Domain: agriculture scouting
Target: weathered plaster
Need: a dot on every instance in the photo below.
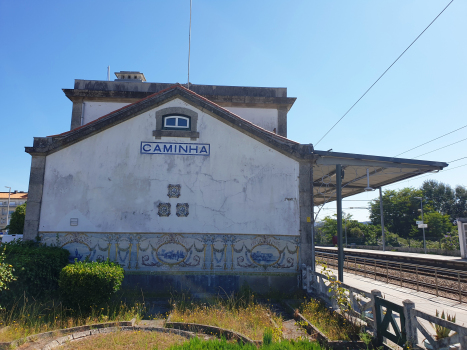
(76, 113)
(306, 217)
(282, 121)
(33, 209)
(243, 187)
(263, 117)
(93, 110)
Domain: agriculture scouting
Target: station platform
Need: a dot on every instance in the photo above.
(423, 259)
(425, 302)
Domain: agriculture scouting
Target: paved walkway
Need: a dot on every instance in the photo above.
(425, 302)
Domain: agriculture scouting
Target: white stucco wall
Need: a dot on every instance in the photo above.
(263, 117)
(243, 187)
(93, 110)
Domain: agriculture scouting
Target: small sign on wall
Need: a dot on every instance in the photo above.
(190, 149)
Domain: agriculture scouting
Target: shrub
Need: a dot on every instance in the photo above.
(6, 273)
(37, 268)
(84, 283)
(16, 224)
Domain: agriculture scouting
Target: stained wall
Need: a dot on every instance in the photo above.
(242, 187)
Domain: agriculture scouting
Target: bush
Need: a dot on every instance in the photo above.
(37, 268)
(16, 224)
(85, 284)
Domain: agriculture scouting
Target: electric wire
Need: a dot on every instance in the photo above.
(397, 155)
(452, 161)
(441, 148)
(383, 73)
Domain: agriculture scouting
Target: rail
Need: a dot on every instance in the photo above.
(448, 283)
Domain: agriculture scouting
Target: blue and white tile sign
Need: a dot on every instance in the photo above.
(193, 149)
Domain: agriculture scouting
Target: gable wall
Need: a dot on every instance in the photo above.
(93, 110)
(243, 187)
(263, 117)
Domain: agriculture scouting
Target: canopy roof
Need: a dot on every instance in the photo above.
(382, 171)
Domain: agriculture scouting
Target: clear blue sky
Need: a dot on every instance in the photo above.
(327, 53)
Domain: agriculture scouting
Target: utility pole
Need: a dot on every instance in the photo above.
(423, 228)
(8, 208)
(382, 217)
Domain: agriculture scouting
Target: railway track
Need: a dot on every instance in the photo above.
(444, 282)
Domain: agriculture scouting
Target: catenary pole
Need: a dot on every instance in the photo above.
(340, 247)
(382, 217)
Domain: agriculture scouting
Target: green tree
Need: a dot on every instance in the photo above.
(16, 224)
(400, 210)
(438, 225)
(446, 200)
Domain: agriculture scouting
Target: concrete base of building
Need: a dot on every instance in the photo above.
(208, 284)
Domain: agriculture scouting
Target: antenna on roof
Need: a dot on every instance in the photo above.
(189, 49)
(108, 73)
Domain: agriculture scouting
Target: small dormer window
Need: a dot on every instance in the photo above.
(176, 122)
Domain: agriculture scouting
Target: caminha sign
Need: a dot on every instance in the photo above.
(193, 149)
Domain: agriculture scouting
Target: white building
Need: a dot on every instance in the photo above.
(196, 188)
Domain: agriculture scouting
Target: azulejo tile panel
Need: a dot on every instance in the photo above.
(182, 210)
(184, 252)
(174, 191)
(163, 209)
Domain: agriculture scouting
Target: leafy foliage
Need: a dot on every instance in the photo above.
(438, 224)
(16, 224)
(446, 200)
(85, 283)
(400, 211)
(443, 332)
(6, 273)
(37, 268)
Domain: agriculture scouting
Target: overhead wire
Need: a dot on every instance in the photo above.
(455, 160)
(440, 148)
(397, 59)
(397, 155)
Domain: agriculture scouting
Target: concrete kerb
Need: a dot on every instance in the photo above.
(212, 330)
(68, 334)
(79, 335)
(323, 339)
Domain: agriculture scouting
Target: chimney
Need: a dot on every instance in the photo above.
(130, 76)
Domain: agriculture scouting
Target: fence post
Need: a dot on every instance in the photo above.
(463, 341)
(375, 293)
(304, 281)
(410, 323)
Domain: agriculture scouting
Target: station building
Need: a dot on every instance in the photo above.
(191, 187)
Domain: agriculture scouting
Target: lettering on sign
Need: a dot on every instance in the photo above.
(190, 149)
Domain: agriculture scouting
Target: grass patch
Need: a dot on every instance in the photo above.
(332, 324)
(198, 344)
(26, 318)
(128, 340)
(239, 313)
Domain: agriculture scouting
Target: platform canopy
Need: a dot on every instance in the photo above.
(382, 171)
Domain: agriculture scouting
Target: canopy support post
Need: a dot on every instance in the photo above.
(340, 246)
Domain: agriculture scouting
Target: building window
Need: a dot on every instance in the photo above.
(176, 122)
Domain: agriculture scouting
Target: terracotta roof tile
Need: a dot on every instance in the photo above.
(4, 195)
